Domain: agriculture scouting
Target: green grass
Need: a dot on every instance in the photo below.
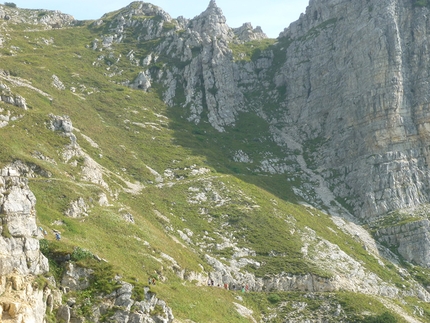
(354, 307)
(250, 50)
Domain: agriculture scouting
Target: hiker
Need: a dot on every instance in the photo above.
(153, 281)
(243, 289)
(149, 281)
(212, 282)
(57, 236)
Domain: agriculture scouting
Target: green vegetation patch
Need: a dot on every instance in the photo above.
(251, 50)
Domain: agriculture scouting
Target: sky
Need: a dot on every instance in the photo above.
(272, 15)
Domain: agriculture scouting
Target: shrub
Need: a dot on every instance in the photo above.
(10, 4)
(274, 298)
(81, 254)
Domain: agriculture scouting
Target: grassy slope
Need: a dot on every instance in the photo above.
(126, 150)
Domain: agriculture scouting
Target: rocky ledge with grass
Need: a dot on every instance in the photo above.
(124, 303)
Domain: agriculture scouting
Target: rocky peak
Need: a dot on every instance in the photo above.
(140, 8)
(247, 33)
(212, 22)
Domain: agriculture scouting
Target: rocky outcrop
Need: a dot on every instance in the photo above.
(247, 33)
(63, 124)
(56, 82)
(411, 240)
(91, 171)
(130, 17)
(20, 248)
(7, 97)
(21, 300)
(46, 18)
(120, 305)
(77, 208)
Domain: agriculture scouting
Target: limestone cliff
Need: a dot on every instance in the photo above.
(362, 97)
(20, 259)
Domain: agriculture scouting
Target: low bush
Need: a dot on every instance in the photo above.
(10, 4)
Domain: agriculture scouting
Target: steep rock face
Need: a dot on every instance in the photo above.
(411, 240)
(208, 81)
(361, 97)
(20, 250)
(20, 257)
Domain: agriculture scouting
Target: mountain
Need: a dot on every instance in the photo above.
(178, 170)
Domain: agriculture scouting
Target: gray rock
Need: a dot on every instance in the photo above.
(57, 83)
(20, 102)
(75, 277)
(61, 123)
(411, 240)
(17, 202)
(77, 209)
(142, 81)
(63, 314)
(247, 33)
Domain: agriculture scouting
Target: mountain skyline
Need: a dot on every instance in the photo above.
(273, 17)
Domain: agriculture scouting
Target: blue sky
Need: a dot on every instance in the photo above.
(272, 15)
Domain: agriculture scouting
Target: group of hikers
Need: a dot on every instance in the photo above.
(57, 233)
(243, 288)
